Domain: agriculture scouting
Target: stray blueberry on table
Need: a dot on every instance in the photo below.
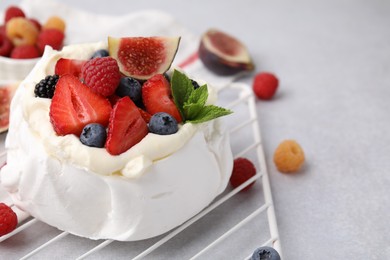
(163, 124)
(130, 87)
(45, 88)
(100, 53)
(265, 253)
(94, 135)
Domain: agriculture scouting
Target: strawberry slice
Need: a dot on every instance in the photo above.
(69, 66)
(126, 127)
(145, 115)
(74, 105)
(156, 95)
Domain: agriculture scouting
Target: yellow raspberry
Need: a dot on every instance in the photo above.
(55, 22)
(21, 31)
(289, 156)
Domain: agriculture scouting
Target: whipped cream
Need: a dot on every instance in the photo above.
(153, 187)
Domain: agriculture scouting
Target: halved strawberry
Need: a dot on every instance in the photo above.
(69, 66)
(126, 127)
(156, 95)
(74, 105)
(145, 115)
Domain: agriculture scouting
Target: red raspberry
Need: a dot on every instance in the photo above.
(265, 85)
(25, 52)
(5, 46)
(8, 219)
(36, 23)
(12, 12)
(101, 75)
(3, 30)
(243, 170)
(51, 37)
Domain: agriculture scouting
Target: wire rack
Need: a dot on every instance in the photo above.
(231, 227)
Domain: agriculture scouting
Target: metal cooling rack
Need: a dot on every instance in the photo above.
(232, 227)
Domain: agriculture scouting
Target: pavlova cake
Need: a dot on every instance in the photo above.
(104, 143)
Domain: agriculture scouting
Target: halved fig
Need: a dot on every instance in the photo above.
(223, 54)
(6, 93)
(143, 57)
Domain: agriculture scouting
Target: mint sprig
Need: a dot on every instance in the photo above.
(192, 102)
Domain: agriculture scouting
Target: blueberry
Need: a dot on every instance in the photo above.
(163, 124)
(94, 135)
(265, 253)
(129, 87)
(194, 84)
(100, 53)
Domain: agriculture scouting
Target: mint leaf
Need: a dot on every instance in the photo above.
(192, 102)
(192, 110)
(181, 88)
(195, 102)
(199, 95)
(210, 112)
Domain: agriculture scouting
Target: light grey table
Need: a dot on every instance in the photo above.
(333, 61)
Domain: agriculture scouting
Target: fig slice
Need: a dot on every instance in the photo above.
(6, 93)
(223, 54)
(143, 57)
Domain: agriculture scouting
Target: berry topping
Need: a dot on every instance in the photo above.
(289, 156)
(100, 54)
(51, 37)
(130, 87)
(94, 135)
(126, 127)
(8, 219)
(243, 170)
(195, 84)
(101, 75)
(74, 105)
(12, 12)
(145, 115)
(156, 95)
(163, 124)
(25, 52)
(69, 66)
(5, 45)
(265, 85)
(265, 253)
(45, 88)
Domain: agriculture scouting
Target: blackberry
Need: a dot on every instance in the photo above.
(45, 88)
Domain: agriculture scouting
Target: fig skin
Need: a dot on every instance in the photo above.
(222, 63)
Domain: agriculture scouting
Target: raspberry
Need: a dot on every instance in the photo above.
(25, 52)
(36, 23)
(22, 31)
(11, 12)
(102, 75)
(243, 170)
(55, 22)
(8, 219)
(51, 37)
(265, 85)
(289, 156)
(5, 46)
